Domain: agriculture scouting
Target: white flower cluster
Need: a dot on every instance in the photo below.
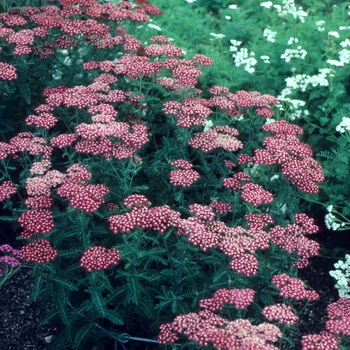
(342, 276)
(333, 222)
(270, 35)
(344, 125)
(243, 57)
(267, 4)
(299, 52)
(288, 8)
(301, 81)
(320, 25)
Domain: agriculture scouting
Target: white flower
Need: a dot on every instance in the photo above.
(266, 4)
(289, 7)
(344, 125)
(151, 25)
(218, 36)
(299, 52)
(335, 63)
(265, 58)
(329, 208)
(270, 35)
(190, 1)
(292, 40)
(228, 17)
(344, 56)
(320, 25)
(208, 124)
(242, 57)
(335, 34)
(232, 7)
(345, 43)
(342, 277)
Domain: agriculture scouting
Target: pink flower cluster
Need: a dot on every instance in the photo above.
(99, 258)
(184, 175)
(10, 258)
(190, 113)
(209, 329)
(7, 71)
(96, 139)
(221, 207)
(322, 341)
(240, 298)
(217, 137)
(236, 104)
(292, 238)
(204, 231)
(46, 18)
(339, 317)
(25, 142)
(255, 194)
(281, 313)
(251, 193)
(81, 195)
(7, 189)
(39, 251)
(285, 148)
(157, 218)
(293, 288)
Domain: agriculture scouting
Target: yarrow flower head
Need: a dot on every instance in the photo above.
(293, 288)
(39, 251)
(99, 258)
(7, 189)
(281, 313)
(339, 317)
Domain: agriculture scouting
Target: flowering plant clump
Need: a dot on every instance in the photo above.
(298, 51)
(138, 192)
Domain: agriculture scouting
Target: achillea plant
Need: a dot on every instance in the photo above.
(140, 197)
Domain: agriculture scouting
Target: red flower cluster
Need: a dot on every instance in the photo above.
(281, 313)
(99, 258)
(36, 221)
(162, 49)
(79, 193)
(217, 137)
(7, 189)
(293, 288)
(240, 298)
(339, 317)
(39, 251)
(292, 238)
